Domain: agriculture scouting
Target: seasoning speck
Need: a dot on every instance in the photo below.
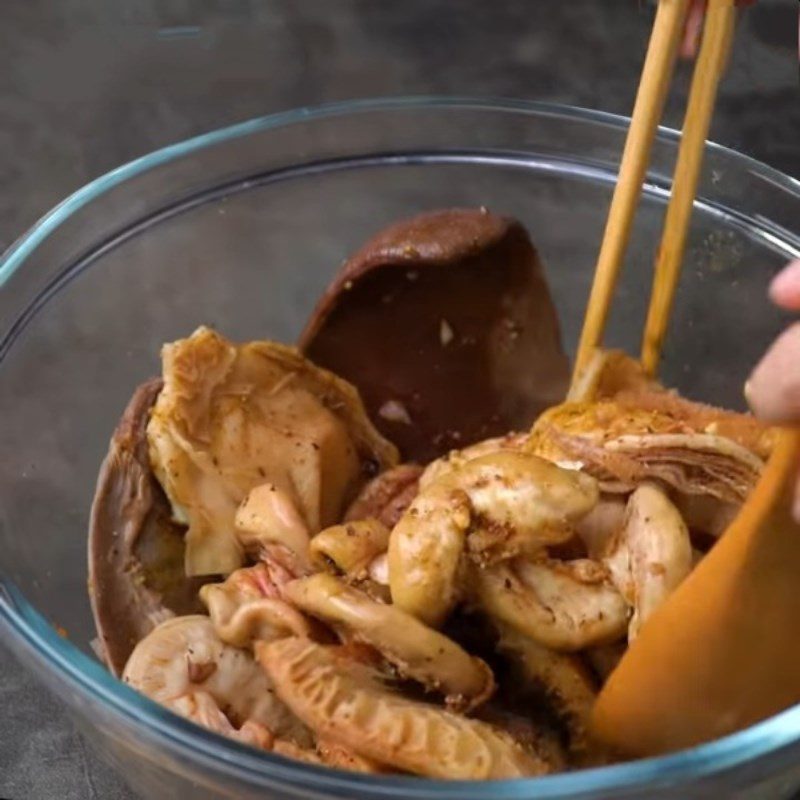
(198, 672)
(394, 411)
(445, 333)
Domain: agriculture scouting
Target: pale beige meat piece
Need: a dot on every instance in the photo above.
(567, 684)
(269, 522)
(600, 525)
(627, 440)
(335, 754)
(520, 503)
(232, 417)
(425, 556)
(201, 708)
(248, 605)
(378, 570)
(614, 375)
(489, 508)
(415, 650)
(184, 655)
(387, 496)
(349, 702)
(652, 553)
(349, 548)
(328, 754)
(563, 605)
(457, 458)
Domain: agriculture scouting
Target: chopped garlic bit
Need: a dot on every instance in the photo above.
(574, 465)
(394, 411)
(445, 333)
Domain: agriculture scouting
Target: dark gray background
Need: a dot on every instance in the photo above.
(88, 84)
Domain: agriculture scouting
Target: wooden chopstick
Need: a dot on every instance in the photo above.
(647, 110)
(717, 36)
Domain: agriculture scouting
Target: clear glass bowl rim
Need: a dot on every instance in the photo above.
(32, 634)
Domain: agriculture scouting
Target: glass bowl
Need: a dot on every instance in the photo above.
(241, 229)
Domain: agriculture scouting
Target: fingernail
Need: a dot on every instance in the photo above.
(748, 391)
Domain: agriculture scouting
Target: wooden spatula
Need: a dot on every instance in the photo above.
(723, 652)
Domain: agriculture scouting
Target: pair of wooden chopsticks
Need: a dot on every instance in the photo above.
(653, 88)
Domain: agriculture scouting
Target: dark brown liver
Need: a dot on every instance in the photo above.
(136, 574)
(379, 325)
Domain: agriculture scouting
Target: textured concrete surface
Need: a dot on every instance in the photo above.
(86, 85)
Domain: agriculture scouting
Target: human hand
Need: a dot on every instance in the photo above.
(773, 390)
